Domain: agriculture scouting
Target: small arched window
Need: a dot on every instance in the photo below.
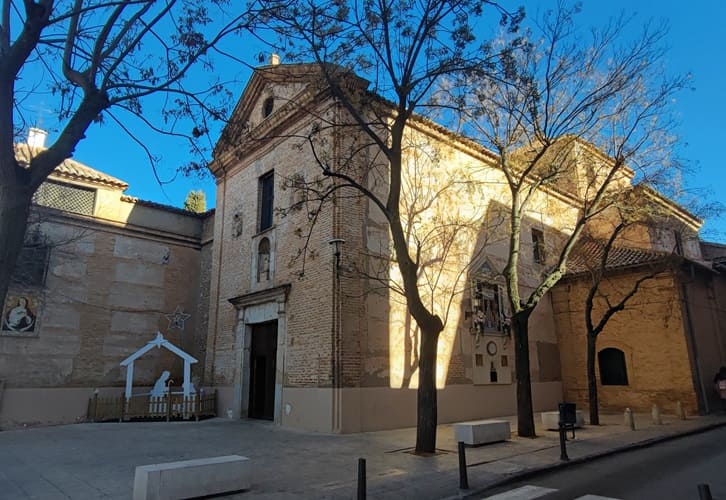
(612, 367)
(267, 107)
(263, 260)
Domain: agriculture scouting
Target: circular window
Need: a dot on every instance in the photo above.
(491, 348)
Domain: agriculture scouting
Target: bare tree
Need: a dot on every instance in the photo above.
(609, 292)
(631, 213)
(97, 59)
(576, 117)
(404, 49)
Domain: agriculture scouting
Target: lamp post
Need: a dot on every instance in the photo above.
(336, 371)
(337, 244)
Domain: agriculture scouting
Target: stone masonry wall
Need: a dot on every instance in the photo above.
(106, 293)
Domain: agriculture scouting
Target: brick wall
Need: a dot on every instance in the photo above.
(301, 260)
(650, 333)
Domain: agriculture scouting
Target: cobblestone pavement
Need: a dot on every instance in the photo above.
(97, 461)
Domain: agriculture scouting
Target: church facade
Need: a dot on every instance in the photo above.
(309, 328)
(287, 295)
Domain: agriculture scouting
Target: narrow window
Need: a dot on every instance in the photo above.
(267, 197)
(267, 107)
(538, 246)
(679, 242)
(612, 367)
(263, 260)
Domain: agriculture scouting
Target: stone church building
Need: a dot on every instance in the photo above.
(290, 300)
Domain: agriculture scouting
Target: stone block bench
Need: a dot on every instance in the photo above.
(551, 420)
(482, 431)
(192, 478)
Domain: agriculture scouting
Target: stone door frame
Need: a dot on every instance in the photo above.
(255, 308)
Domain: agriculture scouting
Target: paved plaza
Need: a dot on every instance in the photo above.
(97, 461)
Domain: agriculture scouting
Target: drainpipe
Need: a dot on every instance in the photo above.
(336, 369)
(702, 396)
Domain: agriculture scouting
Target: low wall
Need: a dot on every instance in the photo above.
(53, 406)
(49, 406)
(382, 408)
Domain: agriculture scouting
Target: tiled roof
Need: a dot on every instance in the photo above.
(71, 169)
(168, 208)
(587, 256)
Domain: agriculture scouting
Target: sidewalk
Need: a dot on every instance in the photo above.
(89, 461)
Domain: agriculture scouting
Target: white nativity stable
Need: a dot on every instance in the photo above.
(159, 342)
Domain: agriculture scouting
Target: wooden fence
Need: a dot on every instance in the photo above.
(145, 407)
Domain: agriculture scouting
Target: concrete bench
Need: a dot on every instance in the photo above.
(192, 478)
(551, 420)
(482, 431)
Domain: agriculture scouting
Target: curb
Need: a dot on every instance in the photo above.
(536, 471)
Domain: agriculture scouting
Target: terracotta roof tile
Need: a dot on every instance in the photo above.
(71, 169)
(587, 256)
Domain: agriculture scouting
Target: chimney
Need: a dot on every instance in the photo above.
(36, 137)
(274, 59)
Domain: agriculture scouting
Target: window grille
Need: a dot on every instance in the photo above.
(66, 197)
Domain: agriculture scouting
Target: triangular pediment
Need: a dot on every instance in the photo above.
(485, 269)
(282, 84)
(274, 97)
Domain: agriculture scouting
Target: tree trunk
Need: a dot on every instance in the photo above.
(427, 411)
(591, 380)
(14, 208)
(525, 416)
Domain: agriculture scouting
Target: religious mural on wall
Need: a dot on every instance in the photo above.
(488, 310)
(486, 307)
(20, 314)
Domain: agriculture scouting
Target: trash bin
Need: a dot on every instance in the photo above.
(568, 417)
(568, 414)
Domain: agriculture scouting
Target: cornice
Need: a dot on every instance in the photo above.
(277, 294)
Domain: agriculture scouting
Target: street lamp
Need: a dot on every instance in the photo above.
(337, 242)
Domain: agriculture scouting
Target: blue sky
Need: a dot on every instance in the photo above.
(697, 45)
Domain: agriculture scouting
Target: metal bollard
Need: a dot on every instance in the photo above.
(629, 420)
(463, 477)
(679, 411)
(655, 415)
(563, 446)
(704, 492)
(361, 479)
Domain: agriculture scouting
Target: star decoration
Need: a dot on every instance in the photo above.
(177, 318)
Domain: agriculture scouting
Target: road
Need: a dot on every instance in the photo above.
(670, 470)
